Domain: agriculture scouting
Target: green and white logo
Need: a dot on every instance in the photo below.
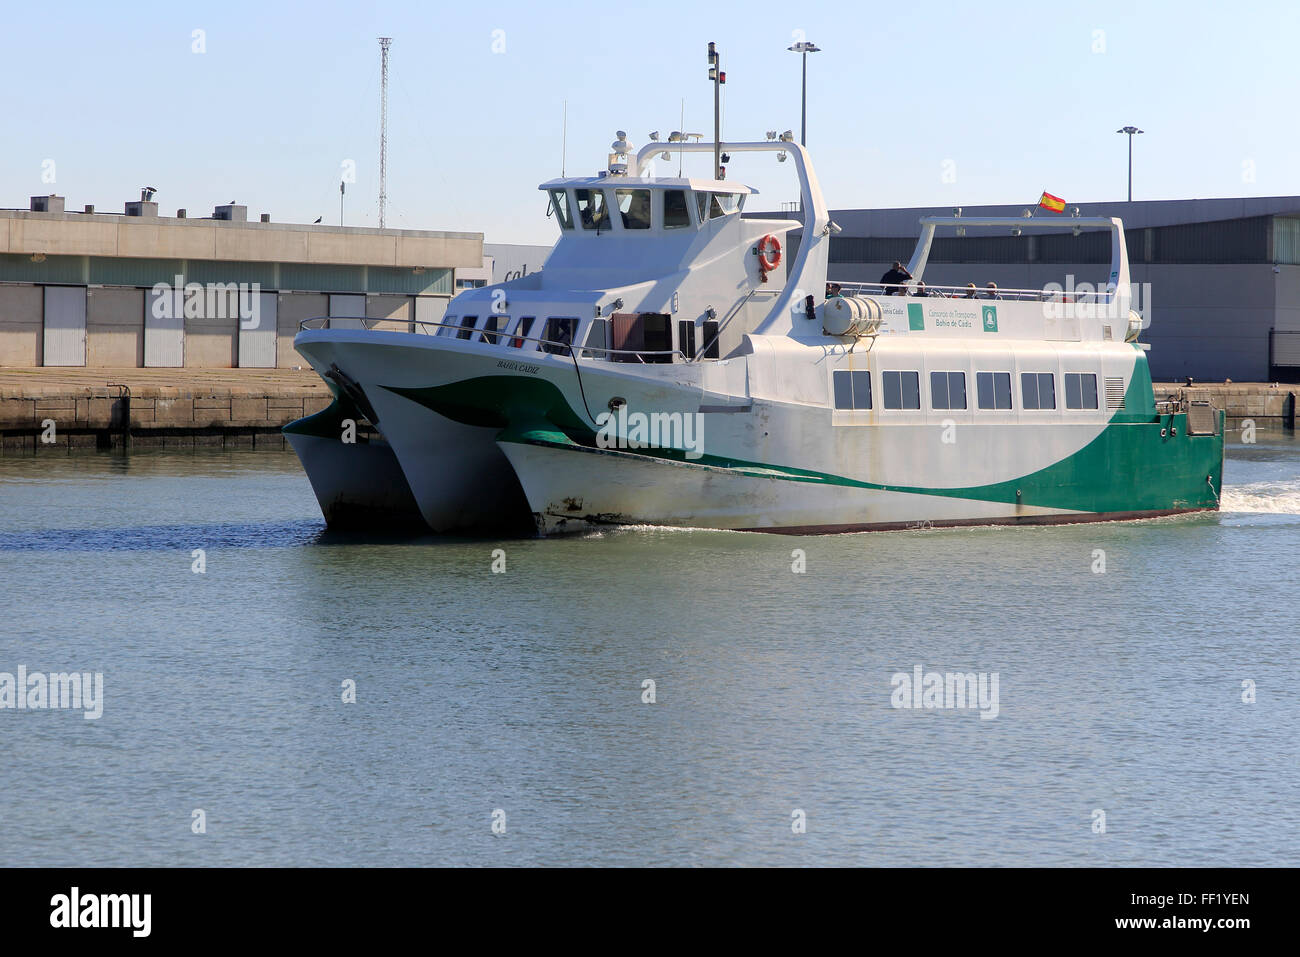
(990, 318)
(915, 317)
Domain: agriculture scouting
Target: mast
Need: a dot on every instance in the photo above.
(383, 126)
(717, 77)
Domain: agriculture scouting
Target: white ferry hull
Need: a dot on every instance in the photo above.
(358, 485)
(458, 478)
(572, 489)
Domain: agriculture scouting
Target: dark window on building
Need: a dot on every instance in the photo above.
(1080, 390)
(948, 390)
(902, 390)
(994, 389)
(1037, 390)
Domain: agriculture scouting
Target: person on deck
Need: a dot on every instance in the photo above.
(894, 279)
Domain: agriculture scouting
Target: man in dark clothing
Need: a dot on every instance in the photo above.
(894, 278)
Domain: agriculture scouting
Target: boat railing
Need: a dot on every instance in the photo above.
(965, 292)
(487, 336)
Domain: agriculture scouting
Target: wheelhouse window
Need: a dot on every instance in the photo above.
(466, 330)
(447, 328)
(591, 208)
(994, 389)
(852, 388)
(676, 213)
(1037, 390)
(560, 205)
(730, 202)
(902, 390)
(634, 205)
(559, 335)
(1080, 390)
(948, 390)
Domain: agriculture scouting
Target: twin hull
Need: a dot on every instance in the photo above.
(478, 429)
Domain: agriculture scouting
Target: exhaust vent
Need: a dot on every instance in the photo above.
(1114, 393)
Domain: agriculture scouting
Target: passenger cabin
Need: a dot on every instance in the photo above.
(646, 270)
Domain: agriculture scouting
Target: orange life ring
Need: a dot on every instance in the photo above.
(769, 254)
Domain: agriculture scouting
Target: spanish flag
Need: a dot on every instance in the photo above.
(1054, 203)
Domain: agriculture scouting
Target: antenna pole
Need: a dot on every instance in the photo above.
(717, 76)
(564, 138)
(383, 126)
(341, 184)
(681, 154)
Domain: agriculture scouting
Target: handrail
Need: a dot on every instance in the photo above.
(963, 292)
(323, 322)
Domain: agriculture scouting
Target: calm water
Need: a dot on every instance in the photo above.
(521, 691)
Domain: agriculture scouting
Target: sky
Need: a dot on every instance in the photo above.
(909, 104)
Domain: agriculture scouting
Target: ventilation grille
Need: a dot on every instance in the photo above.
(1105, 334)
(1114, 393)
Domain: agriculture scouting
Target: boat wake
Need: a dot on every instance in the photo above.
(1275, 498)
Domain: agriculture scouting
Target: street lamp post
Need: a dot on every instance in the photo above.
(1130, 130)
(804, 47)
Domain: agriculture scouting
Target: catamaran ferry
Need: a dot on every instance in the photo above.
(665, 367)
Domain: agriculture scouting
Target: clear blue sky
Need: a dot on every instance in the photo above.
(1019, 97)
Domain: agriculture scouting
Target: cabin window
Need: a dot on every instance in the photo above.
(634, 204)
(446, 329)
(591, 209)
(522, 329)
(466, 330)
(597, 341)
(560, 204)
(559, 335)
(729, 202)
(1080, 390)
(1037, 390)
(686, 337)
(852, 388)
(491, 325)
(709, 333)
(676, 213)
(948, 390)
(994, 389)
(902, 390)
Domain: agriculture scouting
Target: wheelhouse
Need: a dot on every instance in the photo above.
(640, 207)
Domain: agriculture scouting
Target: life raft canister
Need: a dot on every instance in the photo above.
(769, 255)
